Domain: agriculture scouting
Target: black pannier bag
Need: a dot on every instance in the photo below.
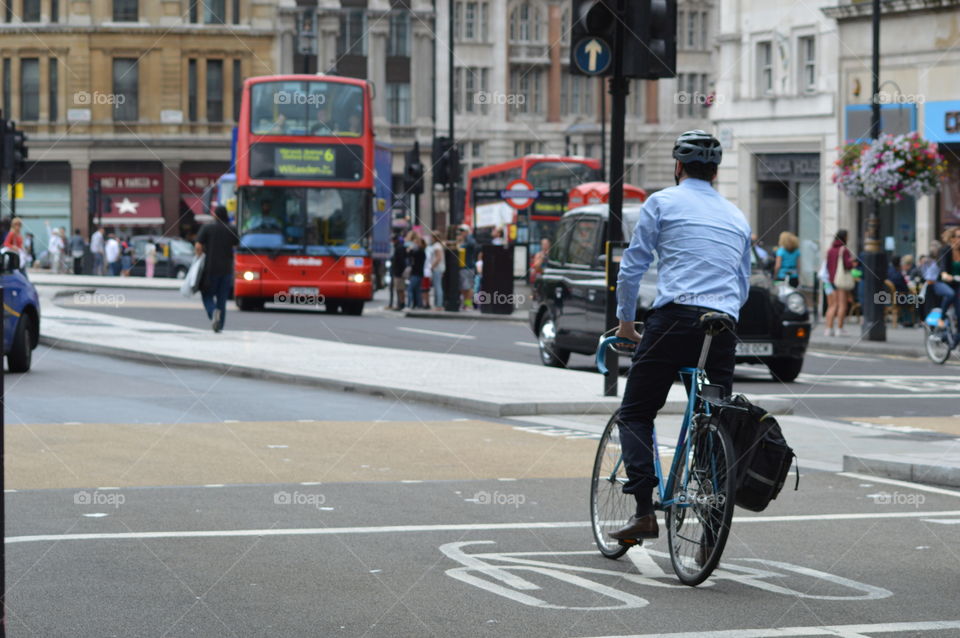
(763, 458)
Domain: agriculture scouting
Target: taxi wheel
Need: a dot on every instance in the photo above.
(21, 352)
(550, 354)
(785, 369)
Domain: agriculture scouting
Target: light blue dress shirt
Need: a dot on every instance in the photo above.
(702, 243)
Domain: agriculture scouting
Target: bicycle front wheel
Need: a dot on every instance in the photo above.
(610, 508)
(698, 520)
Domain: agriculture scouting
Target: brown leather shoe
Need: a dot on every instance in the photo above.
(638, 527)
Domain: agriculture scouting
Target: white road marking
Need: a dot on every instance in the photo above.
(882, 377)
(278, 447)
(943, 521)
(843, 631)
(827, 355)
(916, 486)
(215, 485)
(526, 344)
(436, 333)
(96, 515)
(898, 395)
(452, 527)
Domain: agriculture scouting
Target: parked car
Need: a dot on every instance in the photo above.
(569, 310)
(21, 314)
(174, 256)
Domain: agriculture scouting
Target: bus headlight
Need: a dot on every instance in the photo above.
(357, 278)
(795, 303)
(250, 275)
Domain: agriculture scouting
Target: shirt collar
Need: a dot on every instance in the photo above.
(692, 182)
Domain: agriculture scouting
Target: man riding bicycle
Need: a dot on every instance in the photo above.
(702, 243)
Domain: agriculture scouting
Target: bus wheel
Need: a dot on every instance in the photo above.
(332, 307)
(249, 303)
(353, 308)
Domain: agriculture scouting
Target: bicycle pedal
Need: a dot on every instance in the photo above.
(631, 542)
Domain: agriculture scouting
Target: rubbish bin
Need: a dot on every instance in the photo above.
(451, 278)
(496, 282)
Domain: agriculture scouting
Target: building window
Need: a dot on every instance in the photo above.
(398, 43)
(30, 89)
(31, 10)
(7, 10)
(6, 86)
(681, 16)
(764, 68)
(484, 21)
(398, 103)
(214, 90)
(633, 164)
(692, 30)
(470, 90)
(704, 30)
(635, 100)
(565, 26)
(237, 89)
(125, 89)
(525, 23)
(54, 10)
(353, 33)
(808, 60)
(214, 11)
(527, 82)
(192, 90)
(236, 12)
(470, 21)
(125, 10)
(576, 95)
(53, 74)
(527, 148)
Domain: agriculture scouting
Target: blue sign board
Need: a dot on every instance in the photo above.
(941, 121)
(592, 55)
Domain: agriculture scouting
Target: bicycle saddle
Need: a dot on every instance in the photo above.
(715, 322)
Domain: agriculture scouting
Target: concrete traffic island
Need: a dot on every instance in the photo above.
(473, 384)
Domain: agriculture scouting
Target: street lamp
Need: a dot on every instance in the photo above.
(875, 260)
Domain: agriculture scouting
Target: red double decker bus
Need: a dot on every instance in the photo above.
(553, 176)
(305, 180)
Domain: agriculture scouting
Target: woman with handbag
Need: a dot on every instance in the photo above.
(839, 265)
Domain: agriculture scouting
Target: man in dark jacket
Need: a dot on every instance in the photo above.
(216, 240)
(398, 264)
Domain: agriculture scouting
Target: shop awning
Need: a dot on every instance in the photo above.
(134, 210)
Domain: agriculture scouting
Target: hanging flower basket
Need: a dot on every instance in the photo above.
(846, 172)
(890, 168)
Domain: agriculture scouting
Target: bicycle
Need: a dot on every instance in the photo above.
(697, 496)
(940, 342)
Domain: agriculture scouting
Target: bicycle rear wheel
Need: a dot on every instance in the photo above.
(610, 508)
(698, 520)
(937, 342)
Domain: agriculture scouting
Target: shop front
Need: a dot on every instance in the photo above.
(788, 199)
(941, 124)
(130, 203)
(44, 203)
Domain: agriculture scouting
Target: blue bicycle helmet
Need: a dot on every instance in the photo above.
(697, 146)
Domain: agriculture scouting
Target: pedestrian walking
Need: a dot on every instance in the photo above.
(398, 269)
(150, 258)
(438, 267)
(56, 245)
(97, 247)
(539, 261)
(216, 241)
(78, 247)
(14, 240)
(111, 254)
(28, 250)
(468, 245)
(417, 257)
(126, 257)
(839, 265)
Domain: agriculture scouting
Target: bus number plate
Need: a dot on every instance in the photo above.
(304, 292)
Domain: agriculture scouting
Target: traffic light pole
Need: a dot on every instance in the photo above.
(619, 87)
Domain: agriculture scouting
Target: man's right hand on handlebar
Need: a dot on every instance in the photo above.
(628, 330)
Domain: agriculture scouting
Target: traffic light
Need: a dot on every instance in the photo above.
(413, 172)
(6, 137)
(650, 40)
(592, 20)
(19, 150)
(649, 37)
(444, 158)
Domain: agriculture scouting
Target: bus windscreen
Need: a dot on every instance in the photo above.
(303, 219)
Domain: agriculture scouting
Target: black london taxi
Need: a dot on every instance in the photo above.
(569, 309)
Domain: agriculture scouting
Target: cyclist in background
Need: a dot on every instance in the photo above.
(702, 243)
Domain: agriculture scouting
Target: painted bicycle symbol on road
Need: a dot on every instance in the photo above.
(500, 573)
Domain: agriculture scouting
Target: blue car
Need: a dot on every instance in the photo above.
(21, 314)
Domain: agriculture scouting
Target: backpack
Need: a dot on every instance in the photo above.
(763, 456)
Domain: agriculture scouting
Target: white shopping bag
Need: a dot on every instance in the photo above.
(191, 283)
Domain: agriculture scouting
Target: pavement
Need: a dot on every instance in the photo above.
(479, 385)
(40, 278)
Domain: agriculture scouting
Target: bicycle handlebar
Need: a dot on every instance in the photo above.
(602, 348)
